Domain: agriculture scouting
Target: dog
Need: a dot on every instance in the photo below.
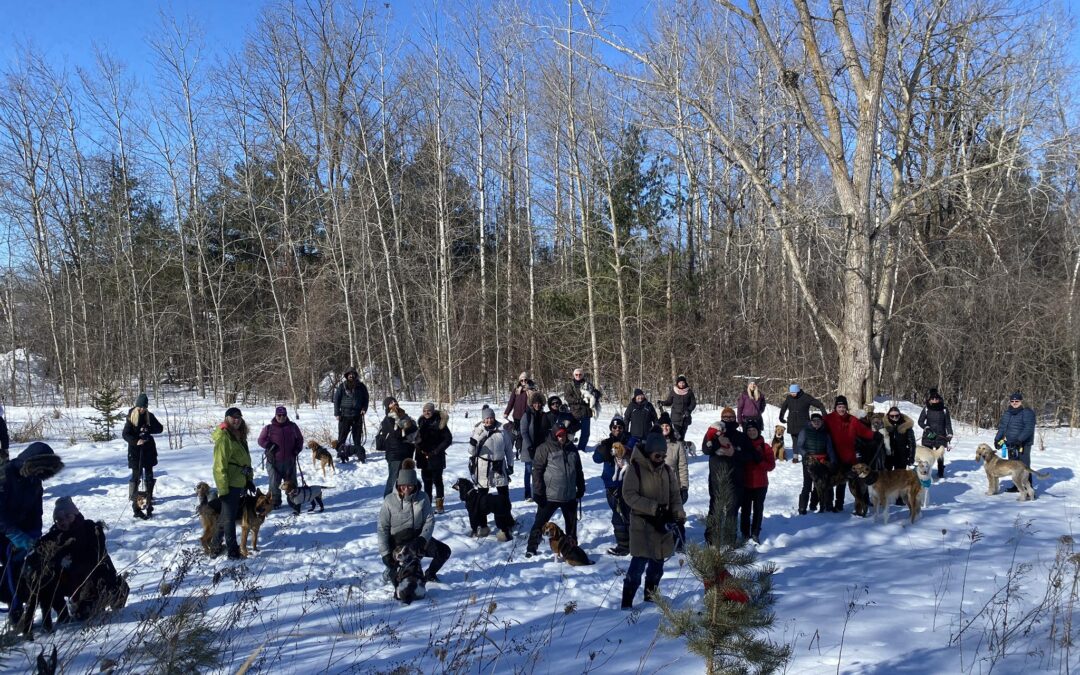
(480, 503)
(887, 485)
(409, 581)
(777, 443)
(930, 455)
(860, 492)
(298, 495)
(321, 457)
(997, 468)
(825, 480)
(564, 547)
(251, 516)
(346, 451)
(38, 587)
(922, 470)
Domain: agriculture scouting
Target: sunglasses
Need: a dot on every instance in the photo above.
(659, 455)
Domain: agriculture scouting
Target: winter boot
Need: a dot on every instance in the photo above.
(629, 590)
(652, 591)
(504, 535)
(438, 505)
(483, 531)
(802, 504)
(941, 468)
(150, 497)
(133, 489)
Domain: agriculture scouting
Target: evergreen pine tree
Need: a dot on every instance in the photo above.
(107, 402)
(728, 627)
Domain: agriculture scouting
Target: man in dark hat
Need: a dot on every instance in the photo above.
(350, 407)
(1016, 431)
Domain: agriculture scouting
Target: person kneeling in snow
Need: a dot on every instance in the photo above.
(73, 550)
(407, 519)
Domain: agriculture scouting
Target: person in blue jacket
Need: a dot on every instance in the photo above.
(615, 465)
(21, 497)
(1016, 431)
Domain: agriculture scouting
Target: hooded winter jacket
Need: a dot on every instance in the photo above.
(935, 417)
(351, 401)
(640, 418)
(844, 429)
(680, 403)
(556, 472)
(392, 436)
(21, 493)
(492, 456)
(433, 438)
(795, 411)
(646, 487)
(286, 436)
(231, 459)
(402, 519)
(1017, 427)
(901, 437)
(146, 454)
(535, 427)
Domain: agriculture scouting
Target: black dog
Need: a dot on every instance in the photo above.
(347, 451)
(825, 480)
(479, 503)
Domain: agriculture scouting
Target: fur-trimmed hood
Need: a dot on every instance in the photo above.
(37, 461)
(905, 425)
(444, 419)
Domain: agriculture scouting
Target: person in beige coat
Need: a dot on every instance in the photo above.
(679, 462)
(651, 490)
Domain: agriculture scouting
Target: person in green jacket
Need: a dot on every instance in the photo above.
(232, 473)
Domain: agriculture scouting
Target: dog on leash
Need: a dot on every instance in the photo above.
(860, 491)
(565, 547)
(251, 516)
(409, 581)
(321, 457)
(479, 504)
(998, 468)
(886, 486)
(298, 495)
(777, 443)
(346, 451)
(825, 480)
(922, 470)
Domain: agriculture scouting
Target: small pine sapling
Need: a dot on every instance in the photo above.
(107, 403)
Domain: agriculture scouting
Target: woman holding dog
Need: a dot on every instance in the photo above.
(433, 437)
(936, 424)
(651, 490)
(394, 431)
(232, 473)
(139, 430)
(614, 453)
(282, 442)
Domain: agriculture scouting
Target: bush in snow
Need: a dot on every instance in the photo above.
(107, 402)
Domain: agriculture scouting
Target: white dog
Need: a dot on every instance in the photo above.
(925, 454)
(922, 470)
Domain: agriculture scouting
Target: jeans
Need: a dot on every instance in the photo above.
(392, 468)
(751, 513)
(544, 514)
(528, 480)
(651, 567)
(583, 435)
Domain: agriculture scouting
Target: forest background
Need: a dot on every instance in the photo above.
(866, 199)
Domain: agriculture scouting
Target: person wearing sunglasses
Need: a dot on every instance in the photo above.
(936, 424)
(900, 430)
(616, 459)
(1016, 430)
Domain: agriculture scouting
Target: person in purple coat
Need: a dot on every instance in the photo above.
(751, 406)
(282, 441)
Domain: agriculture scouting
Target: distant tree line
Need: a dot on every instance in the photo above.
(864, 199)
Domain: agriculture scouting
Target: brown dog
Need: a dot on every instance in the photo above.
(778, 444)
(890, 484)
(998, 468)
(321, 457)
(565, 547)
(252, 515)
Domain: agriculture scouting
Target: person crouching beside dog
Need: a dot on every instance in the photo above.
(679, 462)
(1016, 430)
(558, 484)
(756, 482)
(392, 439)
(813, 440)
(282, 442)
(433, 437)
(405, 517)
(651, 490)
(232, 474)
(21, 507)
(535, 427)
(76, 553)
(491, 462)
(614, 453)
(139, 429)
(844, 428)
(936, 424)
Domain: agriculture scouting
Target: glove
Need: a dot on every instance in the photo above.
(250, 486)
(21, 541)
(248, 472)
(389, 561)
(580, 493)
(509, 471)
(684, 493)
(422, 542)
(541, 500)
(663, 512)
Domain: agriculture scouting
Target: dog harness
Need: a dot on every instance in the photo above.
(925, 482)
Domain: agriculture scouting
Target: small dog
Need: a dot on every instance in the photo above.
(298, 495)
(409, 581)
(348, 450)
(252, 515)
(480, 503)
(887, 485)
(922, 470)
(564, 547)
(997, 468)
(321, 457)
(778, 443)
(825, 481)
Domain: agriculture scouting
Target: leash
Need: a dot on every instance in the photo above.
(300, 472)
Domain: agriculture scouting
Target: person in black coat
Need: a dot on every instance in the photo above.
(640, 416)
(21, 496)
(795, 411)
(900, 430)
(139, 429)
(535, 427)
(1016, 430)
(5, 442)
(350, 407)
(728, 450)
(395, 439)
(936, 424)
(433, 437)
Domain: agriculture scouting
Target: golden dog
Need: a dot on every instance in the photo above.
(778, 443)
(997, 468)
(888, 485)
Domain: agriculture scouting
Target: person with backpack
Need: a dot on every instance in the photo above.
(936, 424)
(139, 429)
(281, 442)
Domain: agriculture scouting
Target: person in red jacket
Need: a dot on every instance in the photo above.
(756, 482)
(844, 429)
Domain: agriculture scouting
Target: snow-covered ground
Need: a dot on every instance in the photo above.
(852, 595)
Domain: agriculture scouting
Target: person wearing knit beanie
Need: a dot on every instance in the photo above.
(65, 507)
